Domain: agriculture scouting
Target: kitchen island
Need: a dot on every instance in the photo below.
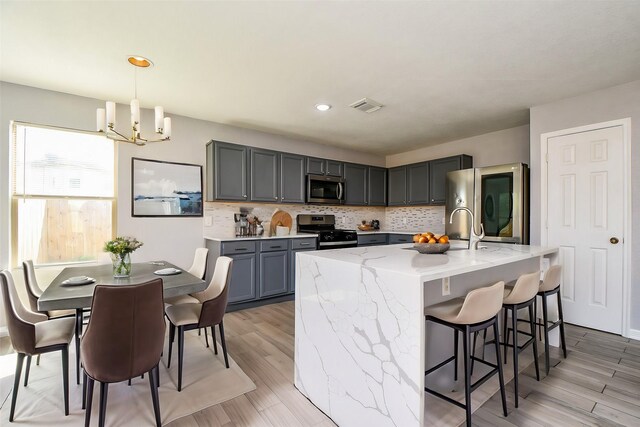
(361, 343)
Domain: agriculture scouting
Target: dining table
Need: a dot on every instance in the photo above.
(62, 295)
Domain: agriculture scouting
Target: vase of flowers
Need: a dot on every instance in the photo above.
(120, 249)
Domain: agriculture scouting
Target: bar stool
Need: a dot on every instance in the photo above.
(522, 295)
(476, 312)
(551, 285)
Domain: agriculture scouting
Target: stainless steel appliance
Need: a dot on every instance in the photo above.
(325, 227)
(498, 197)
(325, 189)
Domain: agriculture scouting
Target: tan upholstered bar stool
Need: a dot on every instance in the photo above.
(551, 285)
(478, 311)
(521, 296)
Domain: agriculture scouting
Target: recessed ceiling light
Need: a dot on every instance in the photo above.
(139, 61)
(323, 107)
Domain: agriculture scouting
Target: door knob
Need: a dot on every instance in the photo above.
(614, 240)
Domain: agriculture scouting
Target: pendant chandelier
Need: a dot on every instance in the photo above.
(106, 118)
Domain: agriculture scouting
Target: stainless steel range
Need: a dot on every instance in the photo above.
(325, 227)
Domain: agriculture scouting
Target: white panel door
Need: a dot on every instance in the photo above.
(585, 218)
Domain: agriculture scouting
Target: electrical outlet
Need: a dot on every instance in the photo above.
(344, 219)
(446, 286)
(443, 221)
(404, 220)
(208, 221)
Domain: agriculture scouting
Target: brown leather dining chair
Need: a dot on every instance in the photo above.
(33, 334)
(208, 312)
(124, 339)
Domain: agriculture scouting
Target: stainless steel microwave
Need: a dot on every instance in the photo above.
(327, 190)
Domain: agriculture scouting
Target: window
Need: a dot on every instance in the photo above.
(63, 198)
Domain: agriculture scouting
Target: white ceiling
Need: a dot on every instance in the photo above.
(444, 70)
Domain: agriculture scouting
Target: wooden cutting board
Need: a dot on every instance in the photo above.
(280, 218)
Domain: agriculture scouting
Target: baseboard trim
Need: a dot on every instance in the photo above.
(4, 331)
(634, 334)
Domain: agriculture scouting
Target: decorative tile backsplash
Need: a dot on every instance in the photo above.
(347, 217)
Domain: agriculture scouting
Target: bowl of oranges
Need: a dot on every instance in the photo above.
(429, 243)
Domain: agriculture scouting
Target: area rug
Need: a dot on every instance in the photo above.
(205, 382)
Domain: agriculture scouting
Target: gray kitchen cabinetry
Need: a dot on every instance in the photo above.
(355, 177)
(243, 272)
(418, 184)
(273, 272)
(395, 239)
(292, 178)
(317, 166)
(264, 167)
(438, 175)
(376, 186)
(397, 186)
(372, 239)
(298, 245)
(226, 171)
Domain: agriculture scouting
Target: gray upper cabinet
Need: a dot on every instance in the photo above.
(274, 273)
(264, 175)
(397, 186)
(292, 178)
(377, 186)
(438, 175)
(418, 184)
(227, 179)
(334, 168)
(355, 177)
(317, 166)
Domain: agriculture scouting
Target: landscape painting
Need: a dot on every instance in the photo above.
(165, 189)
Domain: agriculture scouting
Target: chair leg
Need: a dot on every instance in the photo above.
(455, 355)
(224, 345)
(158, 375)
(84, 389)
(154, 395)
(199, 331)
(180, 355)
(38, 360)
(16, 384)
(26, 370)
(172, 334)
(65, 378)
(505, 334)
(545, 327)
(104, 391)
(514, 325)
(89, 397)
(561, 319)
(467, 374)
(503, 394)
(206, 338)
(78, 334)
(213, 338)
(535, 341)
(473, 349)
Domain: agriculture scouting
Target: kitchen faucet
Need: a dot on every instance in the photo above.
(474, 239)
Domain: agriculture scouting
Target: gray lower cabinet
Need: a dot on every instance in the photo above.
(438, 170)
(395, 239)
(298, 245)
(226, 171)
(355, 181)
(397, 186)
(292, 178)
(418, 184)
(243, 278)
(264, 166)
(372, 239)
(376, 186)
(273, 273)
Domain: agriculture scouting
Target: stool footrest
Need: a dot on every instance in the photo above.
(439, 365)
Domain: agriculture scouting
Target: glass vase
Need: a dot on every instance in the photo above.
(121, 265)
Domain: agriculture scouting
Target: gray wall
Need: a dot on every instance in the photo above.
(495, 148)
(173, 239)
(613, 103)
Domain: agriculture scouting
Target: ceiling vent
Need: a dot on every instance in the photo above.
(366, 105)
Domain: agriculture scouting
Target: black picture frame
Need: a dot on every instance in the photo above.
(165, 189)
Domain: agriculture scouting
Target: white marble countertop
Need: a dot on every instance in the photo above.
(403, 259)
(382, 231)
(233, 238)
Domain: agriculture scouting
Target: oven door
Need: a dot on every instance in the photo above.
(502, 203)
(325, 189)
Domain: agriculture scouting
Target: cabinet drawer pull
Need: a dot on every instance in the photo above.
(275, 247)
(240, 249)
(305, 244)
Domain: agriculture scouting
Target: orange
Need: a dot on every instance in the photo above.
(416, 238)
(443, 239)
(422, 239)
(432, 240)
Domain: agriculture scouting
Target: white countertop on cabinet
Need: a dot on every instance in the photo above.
(232, 238)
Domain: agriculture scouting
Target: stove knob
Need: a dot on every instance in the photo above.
(329, 237)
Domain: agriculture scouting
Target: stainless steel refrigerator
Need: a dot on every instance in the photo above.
(499, 198)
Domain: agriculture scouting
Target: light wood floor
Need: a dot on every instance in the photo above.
(598, 384)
